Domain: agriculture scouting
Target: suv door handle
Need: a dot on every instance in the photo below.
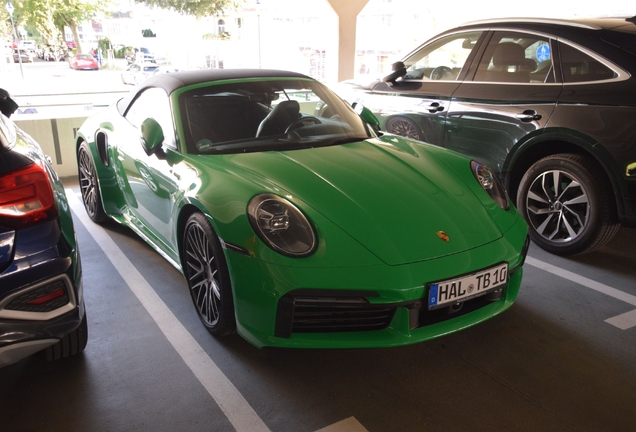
(435, 107)
(528, 116)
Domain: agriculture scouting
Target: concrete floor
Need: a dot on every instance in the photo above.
(550, 363)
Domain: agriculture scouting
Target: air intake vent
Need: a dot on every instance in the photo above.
(324, 312)
(339, 315)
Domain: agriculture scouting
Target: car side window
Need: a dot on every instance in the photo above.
(578, 66)
(513, 57)
(443, 59)
(153, 102)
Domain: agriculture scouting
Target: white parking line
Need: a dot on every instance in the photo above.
(346, 425)
(623, 321)
(232, 403)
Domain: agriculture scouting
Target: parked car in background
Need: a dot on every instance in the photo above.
(141, 55)
(166, 69)
(137, 72)
(83, 61)
(54, 53)
(549, 104)
(41, 295)
(22, 55)
(28, 45)
(292, 221)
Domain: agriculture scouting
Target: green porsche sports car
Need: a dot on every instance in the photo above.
(293, 221)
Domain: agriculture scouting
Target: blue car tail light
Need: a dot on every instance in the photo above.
(26, 197)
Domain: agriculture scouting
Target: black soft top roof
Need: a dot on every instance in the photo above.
(174, 81)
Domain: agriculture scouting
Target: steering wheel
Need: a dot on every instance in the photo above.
(300, 120)
(440, 72)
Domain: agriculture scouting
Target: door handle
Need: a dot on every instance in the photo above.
(435, 107)
(528, 116)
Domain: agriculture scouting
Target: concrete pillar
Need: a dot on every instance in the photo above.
(347, 11)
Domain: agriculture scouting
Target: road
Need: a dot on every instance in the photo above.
(56, 85)
(42, 77)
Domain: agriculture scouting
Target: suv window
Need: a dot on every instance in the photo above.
(516, 58)
(580, 67)
(442, 59)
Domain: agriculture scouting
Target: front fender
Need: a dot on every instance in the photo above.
(551, 141)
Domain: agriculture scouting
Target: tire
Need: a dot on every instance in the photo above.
(405, 127)
(71, 344)
(208, 277)
(89, 186)
(567, 201)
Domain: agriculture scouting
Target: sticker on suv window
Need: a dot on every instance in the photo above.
(543, 52)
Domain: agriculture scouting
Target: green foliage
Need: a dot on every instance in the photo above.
(121, 52)
(5, 25)
(148, 33)
(104, 44)
(49, 17)
(72, 12)
(197, 8)
(219, 36)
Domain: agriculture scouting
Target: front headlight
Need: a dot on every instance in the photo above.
(491, 184)
(281, 225)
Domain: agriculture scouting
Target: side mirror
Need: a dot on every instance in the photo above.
(152, 138)
(399, 70)
(366, 115)
(7, 105)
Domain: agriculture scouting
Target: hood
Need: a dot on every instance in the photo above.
(391, 199)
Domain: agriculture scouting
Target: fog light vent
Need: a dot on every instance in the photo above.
(45, 298)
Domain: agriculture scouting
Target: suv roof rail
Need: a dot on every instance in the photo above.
(561, 21)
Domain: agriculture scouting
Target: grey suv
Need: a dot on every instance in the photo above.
(549, 104)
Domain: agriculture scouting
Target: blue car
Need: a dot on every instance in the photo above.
(41, 297)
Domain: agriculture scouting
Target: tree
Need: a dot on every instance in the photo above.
(197, 8)
(71, 13)
(18, 18)
(47, 16)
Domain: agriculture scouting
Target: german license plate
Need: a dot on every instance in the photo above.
(467, 287)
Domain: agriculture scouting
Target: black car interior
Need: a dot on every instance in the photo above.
(508, 64)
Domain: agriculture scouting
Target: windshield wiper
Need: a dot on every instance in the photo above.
(347, 140)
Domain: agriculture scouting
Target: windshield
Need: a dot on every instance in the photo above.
(263, 115)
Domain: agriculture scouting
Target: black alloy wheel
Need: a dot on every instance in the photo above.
(567, 201)
(208, 277)
(89, 186)
(405, 127)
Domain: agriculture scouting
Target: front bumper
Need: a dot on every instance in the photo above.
(392, 298)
